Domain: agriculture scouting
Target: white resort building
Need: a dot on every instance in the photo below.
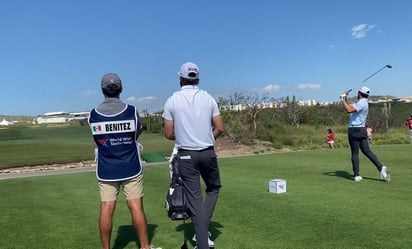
(60, 117)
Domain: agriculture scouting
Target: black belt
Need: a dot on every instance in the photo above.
(208, 148)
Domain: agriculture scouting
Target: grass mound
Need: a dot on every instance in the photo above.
(153, 157)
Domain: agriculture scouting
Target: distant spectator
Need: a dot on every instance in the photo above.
(369, 130)
(331, 138)
(409, 124)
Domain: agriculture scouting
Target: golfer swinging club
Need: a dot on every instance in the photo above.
(357, 134)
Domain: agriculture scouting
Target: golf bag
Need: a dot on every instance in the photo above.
(176, 201)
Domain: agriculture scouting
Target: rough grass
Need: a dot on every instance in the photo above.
(308, 137)
(21, 145)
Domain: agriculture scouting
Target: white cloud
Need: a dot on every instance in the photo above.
(88, 93)
(305, 87)
(359, 31)
(150, 103)
(271, 88)
(142, 100)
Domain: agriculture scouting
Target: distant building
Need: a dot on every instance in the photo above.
(307, 102)
(4, 122)
(61, 117)
(78, 115)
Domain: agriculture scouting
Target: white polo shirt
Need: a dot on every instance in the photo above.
(192, 111)
(358, 118)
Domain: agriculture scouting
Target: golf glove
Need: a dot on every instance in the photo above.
(343, 97)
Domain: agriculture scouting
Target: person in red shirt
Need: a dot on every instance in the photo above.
(409, 124)
(331, 138)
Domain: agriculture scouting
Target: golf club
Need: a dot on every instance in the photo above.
(386, 66)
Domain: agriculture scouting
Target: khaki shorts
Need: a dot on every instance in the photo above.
(132, 189)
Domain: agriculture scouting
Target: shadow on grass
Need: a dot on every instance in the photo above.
(373, 179)
(127, 234)
(340, 173)
(188, 230)
(347, 175)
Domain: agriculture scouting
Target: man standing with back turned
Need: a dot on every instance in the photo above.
(192, 119)
(358, 136)
(115, 127)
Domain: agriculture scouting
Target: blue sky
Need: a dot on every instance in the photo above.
(54, 53)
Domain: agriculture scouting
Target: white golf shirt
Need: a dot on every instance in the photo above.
(192, 111)
(358, 118)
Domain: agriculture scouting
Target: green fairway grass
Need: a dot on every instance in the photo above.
(322, 208)
(22, 145)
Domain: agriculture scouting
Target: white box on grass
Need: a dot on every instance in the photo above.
(277, 186)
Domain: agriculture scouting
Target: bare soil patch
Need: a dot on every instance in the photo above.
(46, 167)
(225, 148)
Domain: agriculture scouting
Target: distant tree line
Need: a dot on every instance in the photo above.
(253, 123)
(281, 125)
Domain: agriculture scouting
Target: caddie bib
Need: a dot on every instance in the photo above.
(118, 156)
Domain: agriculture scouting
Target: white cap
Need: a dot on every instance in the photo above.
(189, 70)
(364, 90)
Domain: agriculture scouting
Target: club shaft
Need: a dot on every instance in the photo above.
(375, 73)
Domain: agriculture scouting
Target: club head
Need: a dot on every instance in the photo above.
(388, 66)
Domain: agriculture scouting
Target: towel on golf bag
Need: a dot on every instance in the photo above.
(176, 201)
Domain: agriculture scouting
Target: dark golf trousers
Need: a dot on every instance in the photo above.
(193, 165)
(358, 139)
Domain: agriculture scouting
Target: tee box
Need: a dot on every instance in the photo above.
(277, 186)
